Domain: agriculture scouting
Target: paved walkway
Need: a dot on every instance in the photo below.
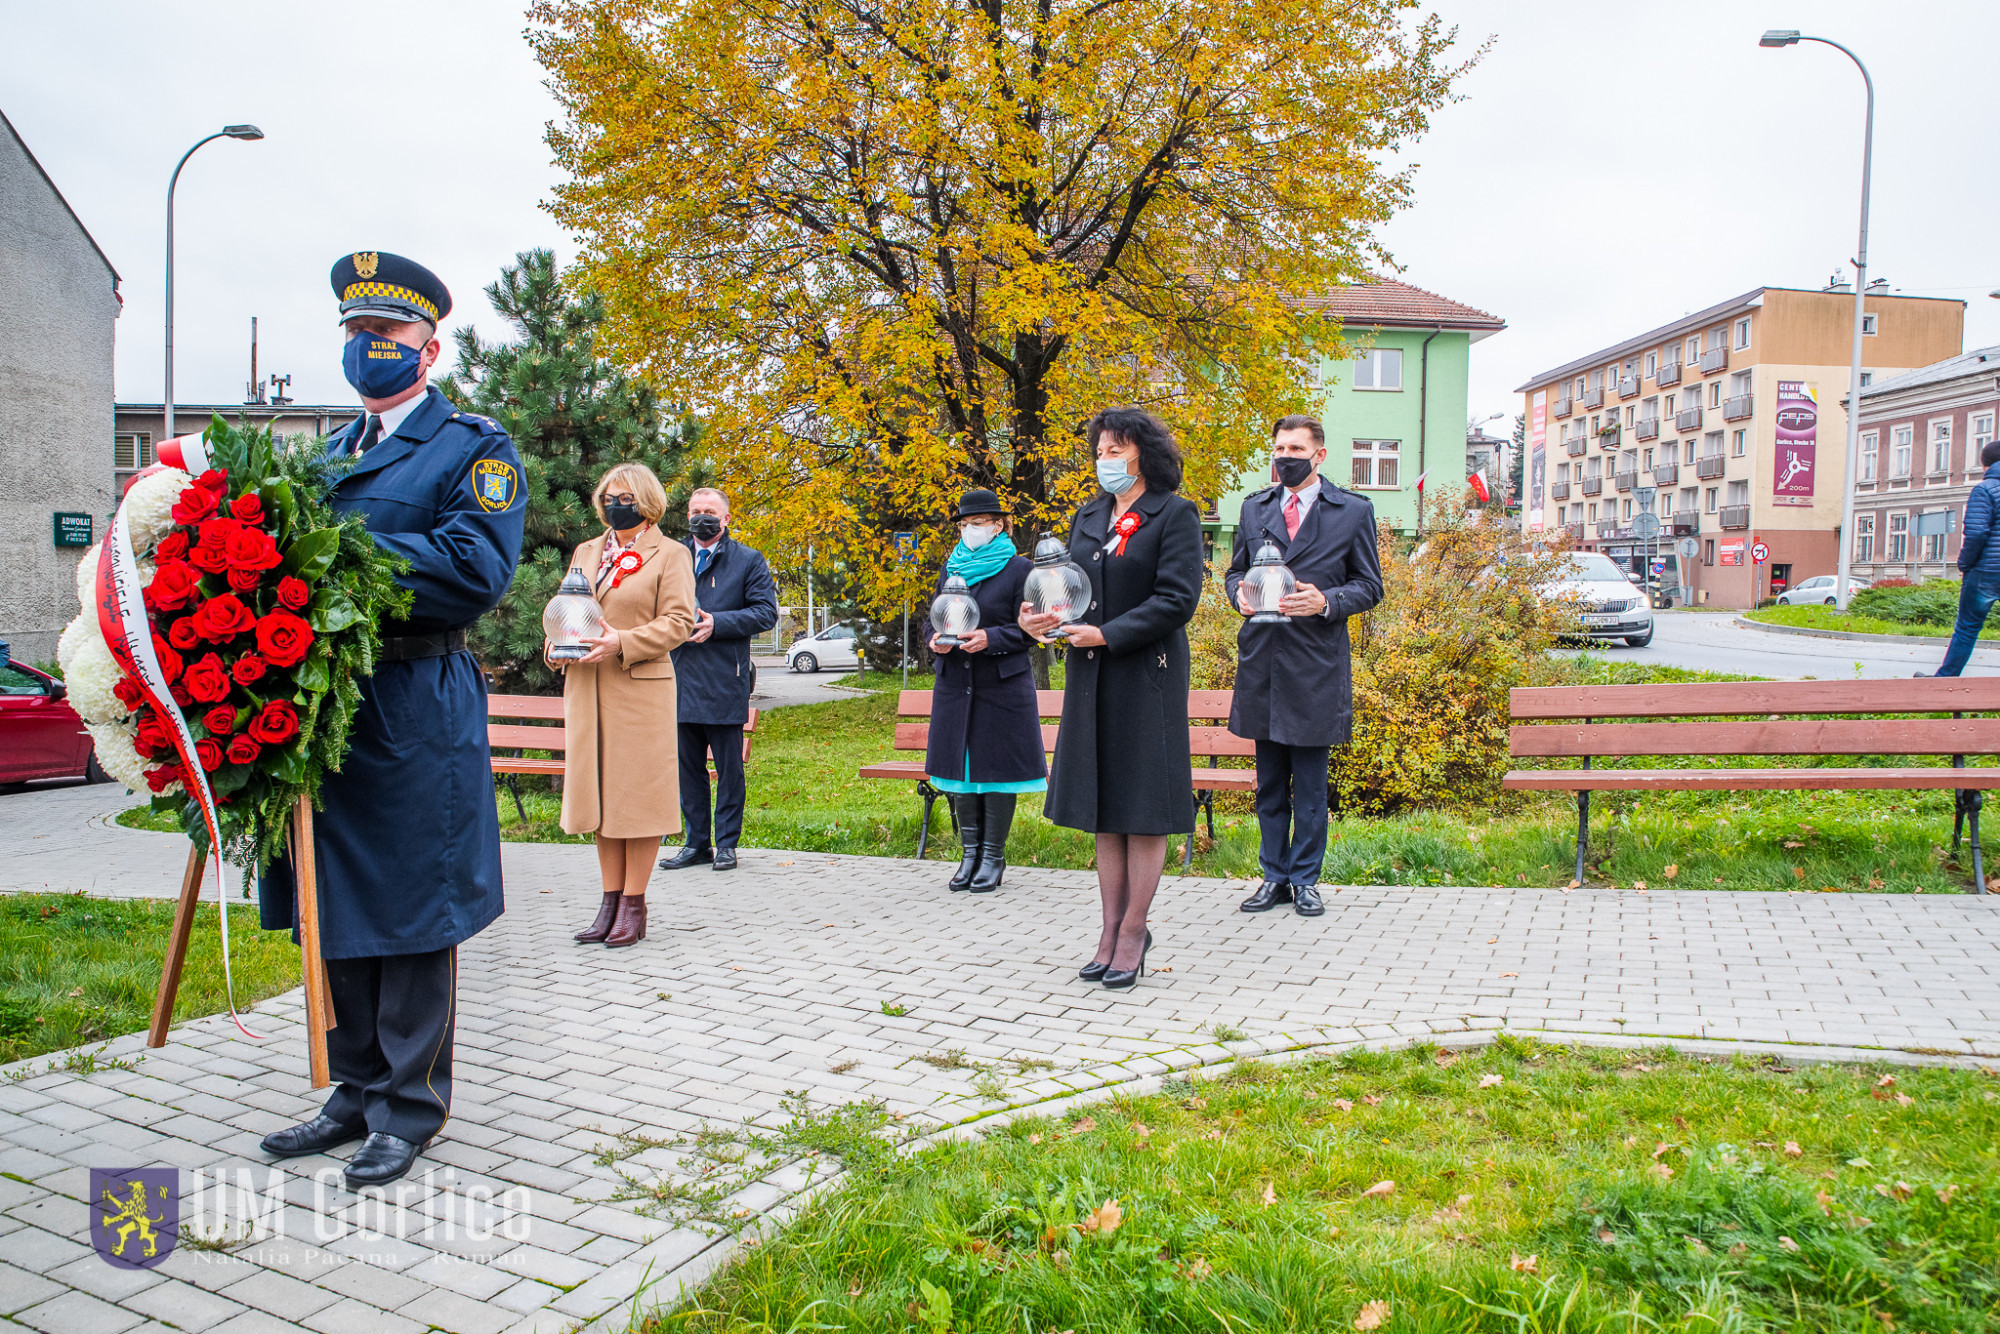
(775, 978)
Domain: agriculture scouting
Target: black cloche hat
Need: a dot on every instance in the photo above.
(978, 501)
(375, 282)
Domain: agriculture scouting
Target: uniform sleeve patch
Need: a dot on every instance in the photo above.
(495, 484)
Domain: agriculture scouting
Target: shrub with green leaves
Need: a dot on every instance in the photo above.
(1933, 602)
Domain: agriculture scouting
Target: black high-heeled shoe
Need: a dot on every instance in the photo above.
(1118, 979)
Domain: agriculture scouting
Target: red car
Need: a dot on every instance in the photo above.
(40, 734)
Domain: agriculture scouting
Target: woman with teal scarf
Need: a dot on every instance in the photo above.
(986, 729)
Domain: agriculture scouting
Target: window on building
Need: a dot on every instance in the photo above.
(1646, 459)
(1739, 384)
(1593, 511)
(1628, 414)
(1670, 404)
(1933, 546)
(1742, 333)
(1562, 472)
(1375, 462)
(1625, 510)
(132, 451)
(1941, 447)
(1867, 378)
(1899, 455)
(1653, 362)
(1739, 493)
(1708, 550)
(1581, 385)
(1649, 410)
(1670, 453)
(1594, 468)
(1379, 368)
(1711, 445)
(1868, 326)
(1716, 437)
(1864, 537)
(1982, 436)
(1715, 393)
(1708, 499)
(1899, 537)
(1693, 356)
(1871, 441)
(1689, 499)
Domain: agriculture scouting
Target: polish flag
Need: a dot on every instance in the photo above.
(1421, 477)
(1479, 488)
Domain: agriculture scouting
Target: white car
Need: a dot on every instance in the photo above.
(1820, 588)
(831, 647)
(1611, 606)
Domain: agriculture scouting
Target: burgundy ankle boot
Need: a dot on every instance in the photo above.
(600, 927)
(630, 928)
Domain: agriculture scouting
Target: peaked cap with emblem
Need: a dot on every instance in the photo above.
(375, 282)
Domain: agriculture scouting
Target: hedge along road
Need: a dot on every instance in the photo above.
(1714, 642)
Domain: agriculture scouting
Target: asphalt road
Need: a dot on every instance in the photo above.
(1714, 642)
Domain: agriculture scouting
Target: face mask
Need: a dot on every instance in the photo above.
(380, 367)
(1111, 475)
(622, 516)
(977, 536)
(1293, 471)
(705, 527)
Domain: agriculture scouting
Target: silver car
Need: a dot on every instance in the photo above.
(1609, 605)
(1818, 589)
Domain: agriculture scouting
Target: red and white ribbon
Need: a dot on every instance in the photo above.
(186, 452)
(121, 615)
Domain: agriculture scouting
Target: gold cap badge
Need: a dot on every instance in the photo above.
(365, 262)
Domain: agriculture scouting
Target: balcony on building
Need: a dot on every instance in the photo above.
(1576, 444)
(1609, 437)
(1574, 531)
(1666, 474)
(1558, 490)
(1737, 407)
(1669, 374)
(1734, 516)
(1715, 359)
(1625, 481)
(1593, 397)
(1628, 386)
(1591, 486)
(1688, 419)
(1681, 523)
(1709, 466)
(1646, 428)
(1608, 530)
(1563, 406)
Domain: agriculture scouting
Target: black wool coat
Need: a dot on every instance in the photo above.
(1122, 764)
(1294, 682)
(984, 702)
(714, 675)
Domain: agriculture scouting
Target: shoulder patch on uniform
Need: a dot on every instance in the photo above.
(495, 484)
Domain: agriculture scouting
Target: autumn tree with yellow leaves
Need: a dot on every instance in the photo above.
(892, 249)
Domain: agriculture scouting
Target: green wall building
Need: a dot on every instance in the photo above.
(1398, 408)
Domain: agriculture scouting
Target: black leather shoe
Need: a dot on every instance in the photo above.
(685, 858)
(1119, 979)
(725, 859)
(1093, 971)
(382, 1158)
(1306, 901)
(314, 1136)
(1271, 894)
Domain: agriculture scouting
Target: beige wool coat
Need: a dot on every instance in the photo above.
(621, 777)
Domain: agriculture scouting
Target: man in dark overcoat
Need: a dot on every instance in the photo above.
(1294, 686)
(408, 845)
(737, 599)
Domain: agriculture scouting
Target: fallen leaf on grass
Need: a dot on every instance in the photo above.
(1670, 870)
(1342, 1104)
(1195, 1104)
(1488, 1081)
(1662, 1171)
(1824, 1201)
(1793, 843)
(855, 1290)
(1574, 884)
(1270, 1195)
(1792, 1149)
(1213, 1134)
(1104, 1219)
(1084, 1125)
(1631, 1141)
(1639, 885)
(1525, 1264)
(1141, 1129)
(1786, 1243)
(1945, 1193)
(1886, 1082)
(1372, 1316)
(1799, 871)
(1034, 1139)
(1900, 1191)
(1381, 1190)
(1661, 1148)
(1372, 1099)
(1904, 1100)
(1445, 1059)
(1607, 1236)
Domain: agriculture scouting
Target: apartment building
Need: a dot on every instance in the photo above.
(136, 426)
(1732, 421)
(1918, 460)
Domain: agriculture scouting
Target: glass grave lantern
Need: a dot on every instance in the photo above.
(1267, 584)
(572, 619)
(1056, 585)
(954, 614)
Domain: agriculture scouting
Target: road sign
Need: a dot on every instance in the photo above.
(1760, 553)
(1643, 497)
(906, 548)
(1646, 527)
(1688, 548)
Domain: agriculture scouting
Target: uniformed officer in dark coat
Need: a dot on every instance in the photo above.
(1294, 685)
(737, 599)
(408, 845)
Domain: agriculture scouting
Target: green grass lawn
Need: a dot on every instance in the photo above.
(75, 970)
(1520, 1188)
(1817, 617)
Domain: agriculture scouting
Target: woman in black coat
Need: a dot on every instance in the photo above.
(1122, 769)
(986, 728)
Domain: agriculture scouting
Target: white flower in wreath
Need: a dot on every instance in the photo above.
(149, 507)
(90, 671)
(113, 742)
(86, 576)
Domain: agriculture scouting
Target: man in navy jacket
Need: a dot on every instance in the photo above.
(1978, 563)
(737, 599)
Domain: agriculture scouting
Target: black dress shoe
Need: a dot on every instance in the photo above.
(1271, 894)
(1306, 901)
(382, 1158)
(314, 1136)
(725, 859)
(685, 858)
(1120, 979)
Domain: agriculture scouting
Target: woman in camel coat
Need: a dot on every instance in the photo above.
(618, 701)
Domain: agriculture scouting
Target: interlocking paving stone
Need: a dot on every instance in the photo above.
(777, 972)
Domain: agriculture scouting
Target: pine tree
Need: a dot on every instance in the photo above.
(572, 415)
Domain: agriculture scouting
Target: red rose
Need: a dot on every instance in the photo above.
(170, 661)
(283, 638)
(174, 582)
(245, 581)
(153, 739)
(223, 618)
(217, 482)
(220, 720)
(171, 547)
(216, 532)
(244, 750)
(159, 779)
(197, 502)
(129, 692)
(248, 507)
(209, 560)
(248, 668)
(181, 696)
(251, 549)
(276, 723)
(209, 753)
(206, 680)
(181, 633)
(293, 593)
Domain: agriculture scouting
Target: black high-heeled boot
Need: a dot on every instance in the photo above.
(1118, 979)
(995, 822)
(966, 805)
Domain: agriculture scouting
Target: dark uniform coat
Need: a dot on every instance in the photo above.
(985, 702)
(714, 675)
(1294, 682)
(1122, 764)
(409, 842)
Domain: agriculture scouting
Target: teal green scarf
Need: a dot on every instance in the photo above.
(977, 566)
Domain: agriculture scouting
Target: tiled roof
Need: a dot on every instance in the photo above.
(1981, 360)
(1388, 302)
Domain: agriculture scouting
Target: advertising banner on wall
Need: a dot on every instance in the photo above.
(1538, 431)
(1797, 443)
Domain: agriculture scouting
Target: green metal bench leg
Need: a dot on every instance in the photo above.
(1973, 801)
(930, 796)
(514, 790)
(1582, 831)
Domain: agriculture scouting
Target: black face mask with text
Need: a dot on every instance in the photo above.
(1292, 471)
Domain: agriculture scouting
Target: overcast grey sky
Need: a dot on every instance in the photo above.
(1611, 168)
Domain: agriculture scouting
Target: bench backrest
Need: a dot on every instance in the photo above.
(1568, 729)
(515, 736)
(1204, 706)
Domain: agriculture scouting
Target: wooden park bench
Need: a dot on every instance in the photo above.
(521, 737)
(1750, 718)
(1208, 734)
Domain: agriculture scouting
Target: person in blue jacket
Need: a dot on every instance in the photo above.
(408, 844)
(1978, 563)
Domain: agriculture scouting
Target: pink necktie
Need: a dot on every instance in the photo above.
(1292, 516)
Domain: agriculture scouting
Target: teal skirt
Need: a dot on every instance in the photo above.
(966, 787)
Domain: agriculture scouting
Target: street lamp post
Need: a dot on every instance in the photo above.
(167, 388)
(1788, 37)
